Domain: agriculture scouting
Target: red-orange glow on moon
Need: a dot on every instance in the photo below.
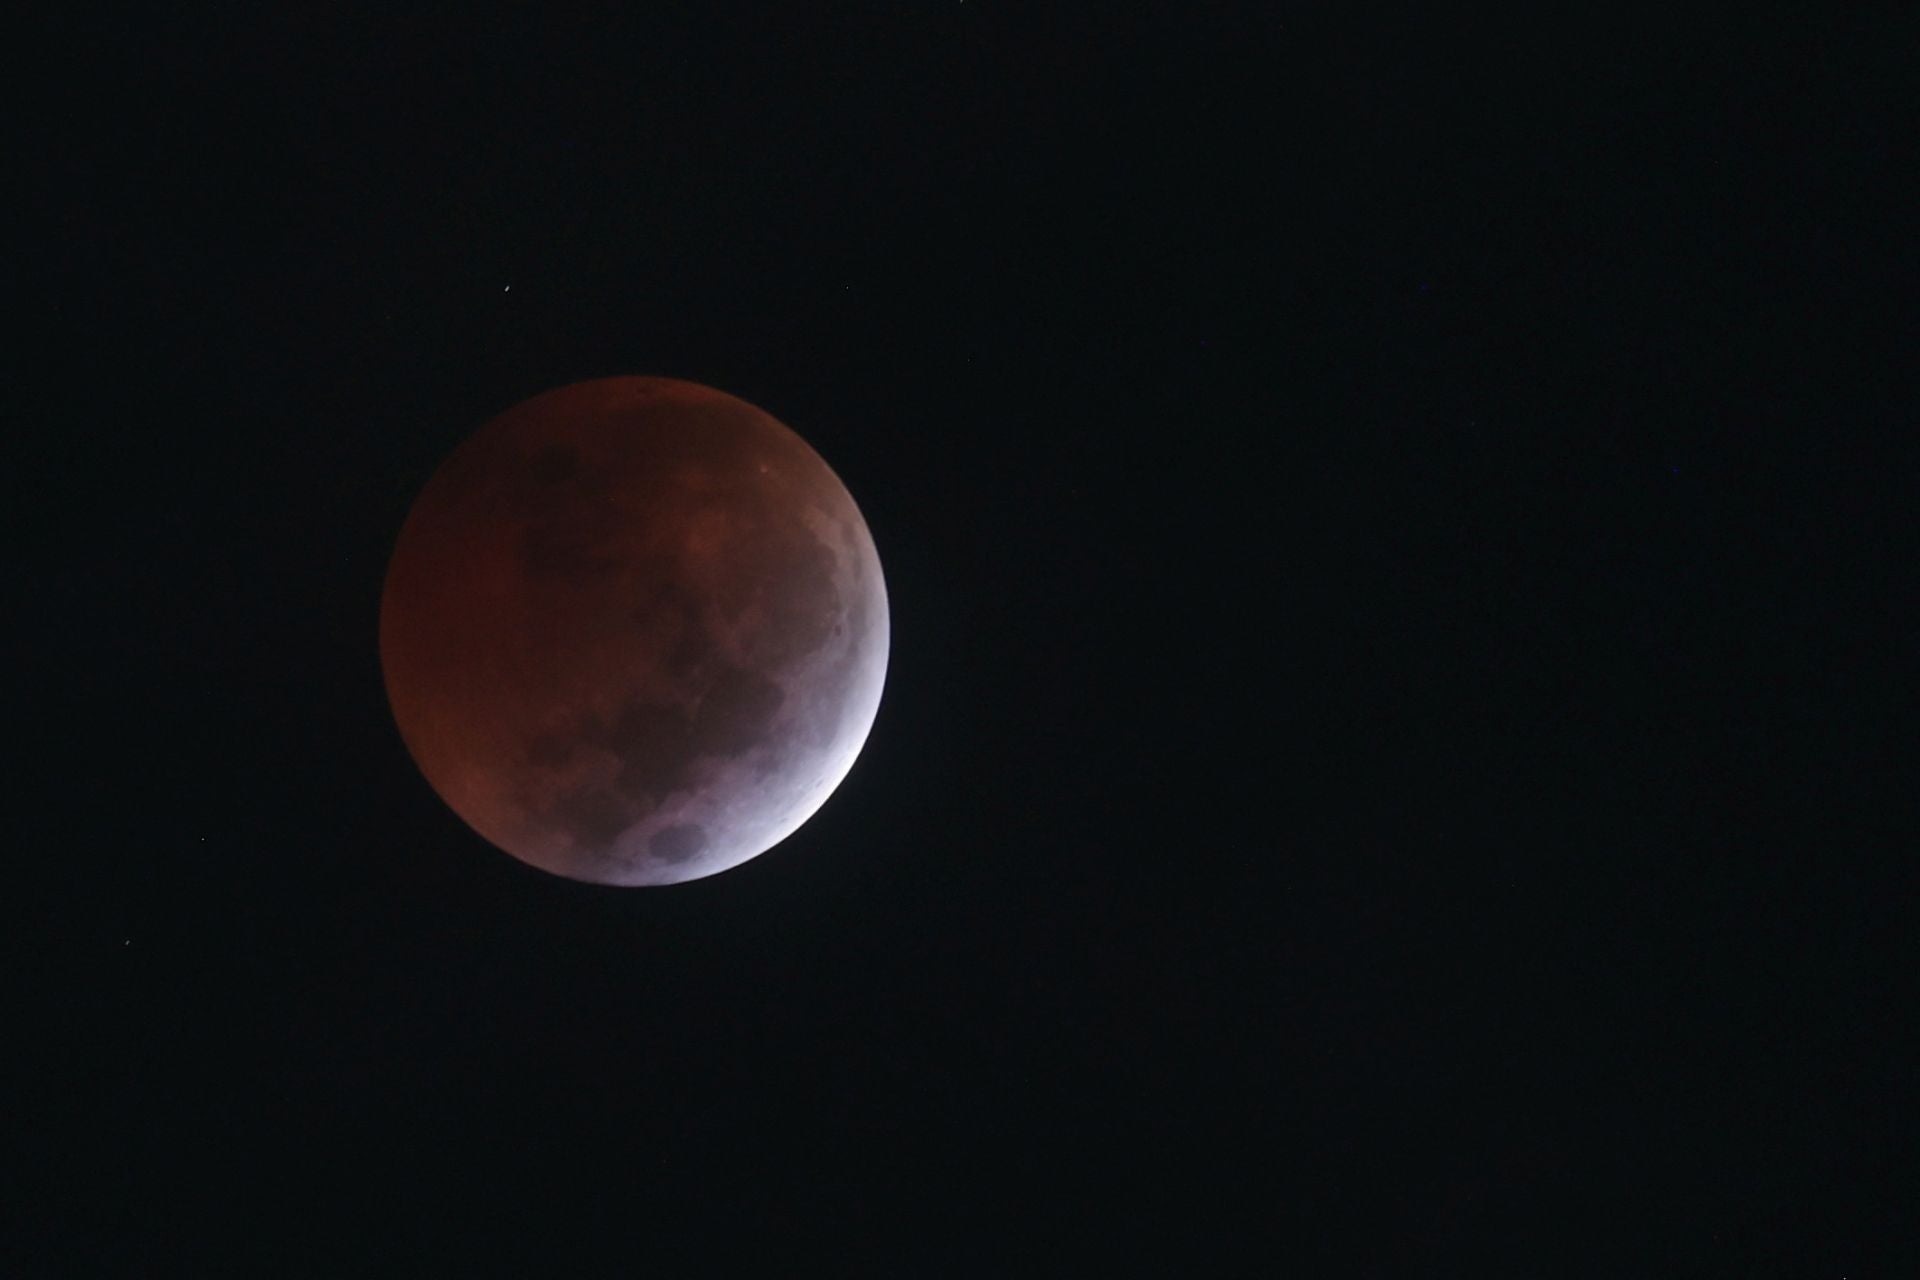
(634, 631)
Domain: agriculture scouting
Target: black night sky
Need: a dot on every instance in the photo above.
(1387, 768)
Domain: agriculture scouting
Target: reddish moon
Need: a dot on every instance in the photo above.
(634, 631)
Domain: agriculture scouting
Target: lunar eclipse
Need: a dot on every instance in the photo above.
(634, 631)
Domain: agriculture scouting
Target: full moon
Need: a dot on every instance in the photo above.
(634, 631)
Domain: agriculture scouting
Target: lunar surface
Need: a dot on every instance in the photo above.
(634, 631)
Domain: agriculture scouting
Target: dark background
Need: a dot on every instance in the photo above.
(1395, 528)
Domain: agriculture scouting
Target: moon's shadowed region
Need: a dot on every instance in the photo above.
(634, 631)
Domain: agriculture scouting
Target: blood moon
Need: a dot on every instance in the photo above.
(634, 631)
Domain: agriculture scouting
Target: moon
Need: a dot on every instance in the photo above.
(634, 631)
